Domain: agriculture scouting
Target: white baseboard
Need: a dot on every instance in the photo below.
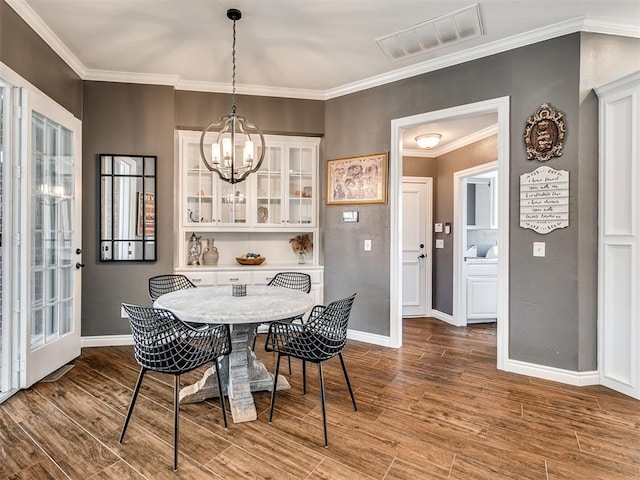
(445, 317)
(373, 338)
(554, 374)
(106, 341)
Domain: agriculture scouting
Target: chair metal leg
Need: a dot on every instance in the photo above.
(304, 377)
(176, 419)
(324, 413)
(346, 377)
(289, 359)
(134, 397)
(275, 383)
(224, 413)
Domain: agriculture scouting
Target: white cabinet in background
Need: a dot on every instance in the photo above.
(482, 290)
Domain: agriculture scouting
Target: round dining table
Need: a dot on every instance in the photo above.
(242, 372)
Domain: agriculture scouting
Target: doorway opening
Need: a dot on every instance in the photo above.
(475, 254)
(499, 106)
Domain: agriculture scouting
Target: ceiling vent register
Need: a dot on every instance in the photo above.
(458, 26)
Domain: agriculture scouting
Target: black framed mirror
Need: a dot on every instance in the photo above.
(127, 208)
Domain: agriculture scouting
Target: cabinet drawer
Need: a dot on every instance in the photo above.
(201, 278)
(481, 269)
(225, 278)
(264, 276)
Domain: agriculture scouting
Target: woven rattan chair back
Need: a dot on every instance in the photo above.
(161, 284)
(163, 343)
(294, 280)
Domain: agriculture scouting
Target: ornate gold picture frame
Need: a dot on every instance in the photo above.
(355, 180)
(544, 134)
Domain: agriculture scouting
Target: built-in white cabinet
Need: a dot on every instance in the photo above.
(286, 193)
(482, 290)
(259, 215)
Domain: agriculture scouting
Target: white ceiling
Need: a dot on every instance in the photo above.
(315, 49)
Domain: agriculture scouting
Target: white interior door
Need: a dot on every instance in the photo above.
(619, 237)
(49, 238)
(416, 246)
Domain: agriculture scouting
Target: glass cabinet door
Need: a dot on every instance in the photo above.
(269, 188)
(199, 189)
(300, 189)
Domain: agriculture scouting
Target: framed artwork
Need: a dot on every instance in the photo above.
(146, 214)
(360, 179)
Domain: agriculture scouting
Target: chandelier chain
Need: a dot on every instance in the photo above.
(233, 74)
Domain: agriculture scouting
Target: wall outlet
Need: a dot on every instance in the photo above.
(439, 243)
(538, 249)
(367, 245)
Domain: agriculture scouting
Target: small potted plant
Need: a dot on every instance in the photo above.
(301, 244)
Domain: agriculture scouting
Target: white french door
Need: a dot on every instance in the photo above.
(416, 246)
(7, 382)
(49, 238)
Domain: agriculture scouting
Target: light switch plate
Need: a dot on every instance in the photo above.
(538, 249)
(437, 227)
(439, 243)
(367, 245)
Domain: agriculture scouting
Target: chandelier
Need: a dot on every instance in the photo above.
(232, 156)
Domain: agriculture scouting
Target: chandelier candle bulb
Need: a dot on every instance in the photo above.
(248, 152)
(215, 153)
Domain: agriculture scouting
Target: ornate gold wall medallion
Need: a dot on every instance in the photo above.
(544, 134)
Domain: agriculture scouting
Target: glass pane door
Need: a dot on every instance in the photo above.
(269, 188)
(52, 247)
(6, 364)
(301, 179)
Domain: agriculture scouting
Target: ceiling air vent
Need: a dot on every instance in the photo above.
(463, 24)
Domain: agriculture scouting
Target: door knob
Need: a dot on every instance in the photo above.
(79, 265)
(422, 256)
(78, 251)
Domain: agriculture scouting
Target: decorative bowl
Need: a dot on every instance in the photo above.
(250, 260)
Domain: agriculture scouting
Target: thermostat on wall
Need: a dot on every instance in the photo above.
(350, 217)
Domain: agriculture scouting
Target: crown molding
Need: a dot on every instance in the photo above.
(42, 29)
(585, 24)
(257, 90)
(128, 77)
(516, 41)
(455, 145)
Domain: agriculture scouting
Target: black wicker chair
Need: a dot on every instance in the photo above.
(321, 337)
(163, 343)
(295, 281)
(161, 284)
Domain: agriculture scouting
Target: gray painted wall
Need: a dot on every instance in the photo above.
(552, 308)
(29, 56)
(545, 308)
(141, 119)
(127, 119)
(418, 166)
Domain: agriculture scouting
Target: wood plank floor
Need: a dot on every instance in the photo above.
(436, 408)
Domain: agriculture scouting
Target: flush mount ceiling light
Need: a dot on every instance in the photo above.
(428, 140)
(232, 154)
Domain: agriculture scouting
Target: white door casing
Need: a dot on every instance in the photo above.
(501, 106)
(460, 284)
(619, 236)
(417, 200)
(50, 237)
